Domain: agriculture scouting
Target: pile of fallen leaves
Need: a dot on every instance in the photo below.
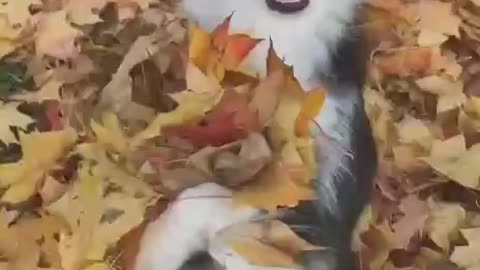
(423, 101)
(109, 111)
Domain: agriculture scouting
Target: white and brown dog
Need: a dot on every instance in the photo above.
(318, 39)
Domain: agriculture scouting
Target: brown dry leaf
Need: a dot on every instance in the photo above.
(254, 154)
(273, 187)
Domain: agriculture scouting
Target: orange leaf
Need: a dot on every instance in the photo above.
(273, 61)
(220, 34)
(238, 47)
(405, 62)
(310, 109)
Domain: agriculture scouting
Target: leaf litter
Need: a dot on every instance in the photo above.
(124, 128)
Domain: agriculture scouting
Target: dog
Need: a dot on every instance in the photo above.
(318, 38)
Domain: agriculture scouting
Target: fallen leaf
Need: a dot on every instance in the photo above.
(444, 222)
(415, 213)
(465, 256)
(257, 253)
(266, 96)
(272, 188)
(56, 37)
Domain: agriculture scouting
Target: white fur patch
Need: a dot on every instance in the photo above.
(303, 39)
(191, 224)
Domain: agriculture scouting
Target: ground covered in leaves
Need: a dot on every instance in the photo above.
(99, 132)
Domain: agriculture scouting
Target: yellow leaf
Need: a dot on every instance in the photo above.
(80, 11)
(11, 117)
(313, 102)
(49, 91)
(260, 254)
(24, 176)
(444, 223)
(200, 47)
(191, 107)
(51, 144)
(267, 95)
(283, 238)
(467, 256)
(476, 105)
(198, 82)
(462, 167)
(272, 188)
(97, 266)
(110, 134)
(18, 12)
(294, 163)
(81, 208)
(24, 188)
(282, 126)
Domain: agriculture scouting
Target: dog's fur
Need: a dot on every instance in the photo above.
(323, 47)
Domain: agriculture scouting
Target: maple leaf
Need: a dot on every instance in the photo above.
(272, 188)
(12, 118)
(404, 62)
(271, 243)
(49, 91)
(258, 253)
(376, 241)
(23, 177)
(310, 109)
(444, 223)
(461, 166)
(266, 96)
(219, 47)
(110, 134)
(229, 121)
(465, 256)
(238, 47)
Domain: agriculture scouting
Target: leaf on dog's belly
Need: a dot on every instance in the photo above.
(257, 253)
(273, 187)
